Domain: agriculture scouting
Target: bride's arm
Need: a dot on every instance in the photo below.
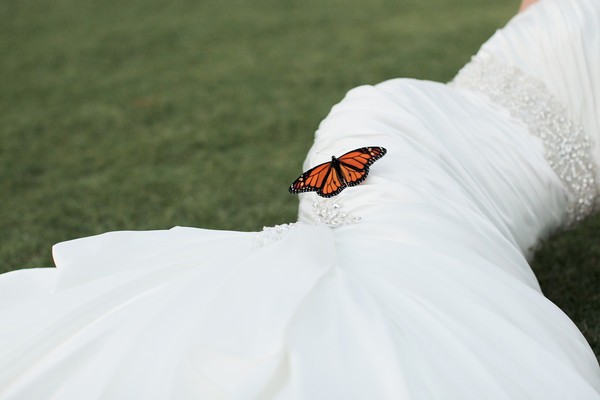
(525, 4)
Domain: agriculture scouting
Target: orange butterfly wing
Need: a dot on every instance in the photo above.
(330, 178)
(332, 185)
(354, 165)
(322, 179)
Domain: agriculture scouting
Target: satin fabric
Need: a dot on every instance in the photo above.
(428, 296)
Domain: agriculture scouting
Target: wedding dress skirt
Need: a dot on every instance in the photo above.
(413, 285)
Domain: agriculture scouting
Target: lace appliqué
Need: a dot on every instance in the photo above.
(331, 213)
(271, 234)
(567, 147)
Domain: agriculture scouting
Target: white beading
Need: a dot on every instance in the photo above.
(567, 147)
(331, 213)
(271, 234)
(326, 212)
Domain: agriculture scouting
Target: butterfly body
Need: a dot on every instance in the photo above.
(330, 178)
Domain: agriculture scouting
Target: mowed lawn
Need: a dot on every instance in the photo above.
(147, 114)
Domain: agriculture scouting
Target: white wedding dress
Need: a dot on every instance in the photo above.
(413, 285)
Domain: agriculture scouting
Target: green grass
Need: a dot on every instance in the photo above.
(149, 114)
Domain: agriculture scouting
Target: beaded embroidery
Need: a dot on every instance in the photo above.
(331, 213)
(271, 234)
(567, 147)
(326, 213)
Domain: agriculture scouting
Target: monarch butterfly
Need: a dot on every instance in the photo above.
(330, 178)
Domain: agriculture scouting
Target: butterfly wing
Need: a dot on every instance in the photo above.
(332, 185)
(322, 179)
(354, 165)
